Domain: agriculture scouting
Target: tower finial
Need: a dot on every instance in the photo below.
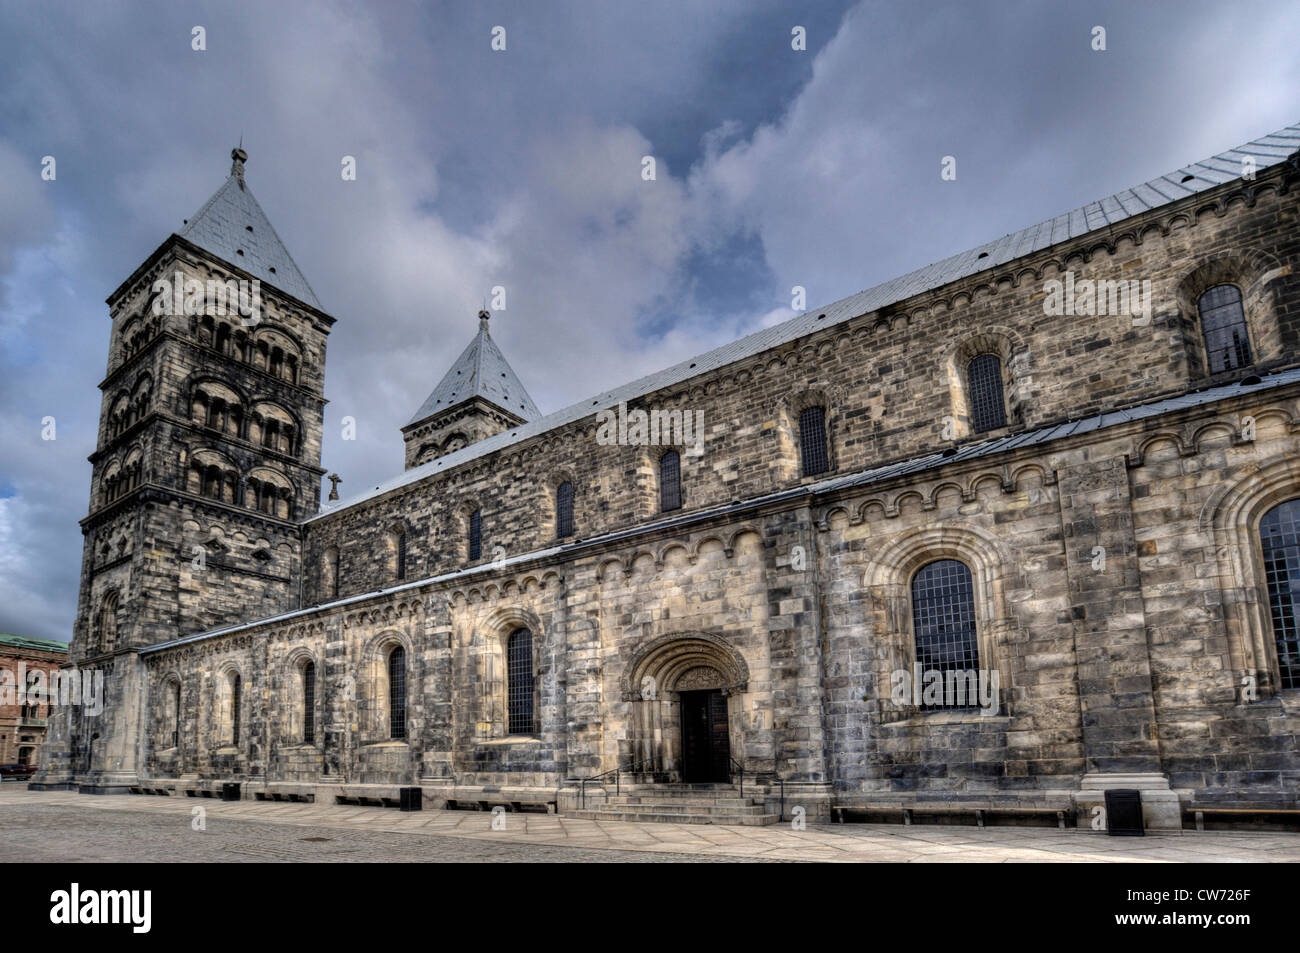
(483, 317)
(238, 157)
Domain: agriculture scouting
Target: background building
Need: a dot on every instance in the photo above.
(23, 725)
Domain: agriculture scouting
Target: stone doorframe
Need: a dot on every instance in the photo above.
(650, 684)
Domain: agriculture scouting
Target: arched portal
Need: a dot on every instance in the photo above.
(683, 691)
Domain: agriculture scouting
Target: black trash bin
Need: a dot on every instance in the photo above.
(411, 799)
(1124, 812)
(230, 790)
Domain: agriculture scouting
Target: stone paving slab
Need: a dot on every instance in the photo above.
(49, 817)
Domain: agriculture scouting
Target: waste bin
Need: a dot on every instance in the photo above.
(1124, 812)
(411, 799)
(230, 790)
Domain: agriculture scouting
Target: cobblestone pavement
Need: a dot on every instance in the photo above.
(64, 826)
(48, 833)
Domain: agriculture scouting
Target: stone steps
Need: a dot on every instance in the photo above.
(677, 804)
(677, 807)
(666, 816)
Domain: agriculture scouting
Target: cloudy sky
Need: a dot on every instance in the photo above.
(522, 168)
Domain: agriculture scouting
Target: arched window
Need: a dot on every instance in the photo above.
(475, 535)
(176, 713)
(943, 624)
(1279, 537)
(397, 693)
(984, 382)
(812, 441)
(519, 677)
(309, 703)
(670, 481)
(108, 623)
(1223, 324)
(235, 692)
(564, 510)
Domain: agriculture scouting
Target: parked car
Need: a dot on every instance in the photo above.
(17, 772)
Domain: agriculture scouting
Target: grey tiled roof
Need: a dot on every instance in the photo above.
(221, 227)
(931, 461)
(480, 371)
(1207, 174)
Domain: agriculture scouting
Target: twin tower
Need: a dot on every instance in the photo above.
(208, 457)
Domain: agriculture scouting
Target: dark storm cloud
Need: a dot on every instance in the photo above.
(522, 169)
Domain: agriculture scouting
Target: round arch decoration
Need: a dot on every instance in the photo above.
(683, 662)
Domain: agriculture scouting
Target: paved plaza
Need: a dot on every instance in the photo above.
(59, 826)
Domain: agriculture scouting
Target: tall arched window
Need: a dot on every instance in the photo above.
(176, 713)
(397, 693)
(519, 678)
(1223, 324)
(943, 623)
(475, 535)
(812, 441)
(1279, 537)
(309, 703)
(984, 383)
(397, 549)
(564, 510)
(235, 692)
(670, 481)
(108, 623)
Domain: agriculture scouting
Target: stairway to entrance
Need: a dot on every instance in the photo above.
(677, 804)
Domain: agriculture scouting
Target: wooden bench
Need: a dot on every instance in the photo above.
(1285, 813)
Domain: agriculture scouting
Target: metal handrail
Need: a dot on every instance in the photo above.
(741, 768)
(617, 772)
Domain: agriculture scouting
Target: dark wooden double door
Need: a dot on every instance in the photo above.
(706, 750)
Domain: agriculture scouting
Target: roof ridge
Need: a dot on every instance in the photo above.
(1027, 241)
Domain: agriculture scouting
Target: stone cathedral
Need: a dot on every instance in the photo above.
(996, 536)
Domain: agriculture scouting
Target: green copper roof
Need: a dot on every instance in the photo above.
(39, 645)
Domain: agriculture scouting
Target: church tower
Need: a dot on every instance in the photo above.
(207, 461)
(478, 397)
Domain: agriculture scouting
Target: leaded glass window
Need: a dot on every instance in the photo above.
(309, 703)
(812, 440)
(984, 381)
(1279, 536)
(519, 676)
(400, 543)
(1223, 323)
(943, 622)
(397, 693)
(564, 510)
(234, 710)
(670, 481)
(475, 535)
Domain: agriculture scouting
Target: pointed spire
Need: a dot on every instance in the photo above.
(483, 372)
(233, 227)
(239, 157)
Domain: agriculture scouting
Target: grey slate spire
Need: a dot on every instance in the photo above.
(232, 226)
(481, 371)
